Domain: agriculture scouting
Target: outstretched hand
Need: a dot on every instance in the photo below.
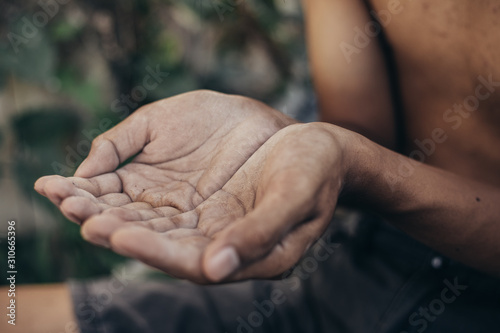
(219, 189)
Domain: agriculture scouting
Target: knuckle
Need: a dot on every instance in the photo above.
(256, 239)
(98, 140)
(145, 110)
(205, 93)
(89, 231)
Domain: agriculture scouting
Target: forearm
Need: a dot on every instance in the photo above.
(38, 308)
(454, 215)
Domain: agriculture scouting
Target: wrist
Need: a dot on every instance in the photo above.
(360, 163)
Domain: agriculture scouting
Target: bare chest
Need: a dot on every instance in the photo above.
(447, 55)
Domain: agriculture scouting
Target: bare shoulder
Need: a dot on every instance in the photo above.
(351, 83)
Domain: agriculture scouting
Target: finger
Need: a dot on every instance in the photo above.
(79, 209)
(186, 221)
(59, 188)
(285, 253)
(134, 212)
(167, 211)
(40, 183)
(115, 146)
(99, 228)
(100, 185)
(253, 236)
(179, 234)
(178, 257)
(161, 224)
(96, 186)
(115, 199)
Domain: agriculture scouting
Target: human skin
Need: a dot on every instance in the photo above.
(39, 308)
(439, 49)
(256, 219)
(190, 146)
(431, 204)
(436, 53)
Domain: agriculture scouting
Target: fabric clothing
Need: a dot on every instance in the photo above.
(361, 276)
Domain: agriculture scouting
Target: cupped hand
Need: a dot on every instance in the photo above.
(187, 147)
(192, 201)
(260, 222)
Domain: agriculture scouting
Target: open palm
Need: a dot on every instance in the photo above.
(260, 222)
(210, 170)
(188, 147)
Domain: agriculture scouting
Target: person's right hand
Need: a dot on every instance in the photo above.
(188, 147)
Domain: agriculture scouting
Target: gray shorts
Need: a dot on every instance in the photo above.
(361, 276)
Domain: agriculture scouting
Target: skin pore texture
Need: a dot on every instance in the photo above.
(225, 188)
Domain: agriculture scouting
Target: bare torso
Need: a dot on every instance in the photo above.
(441, 49)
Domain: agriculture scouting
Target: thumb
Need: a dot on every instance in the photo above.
(253, 236)
(114, 146)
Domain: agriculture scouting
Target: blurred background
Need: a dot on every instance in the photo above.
(71, 69)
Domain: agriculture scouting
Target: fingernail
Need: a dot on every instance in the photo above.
(223, 263)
